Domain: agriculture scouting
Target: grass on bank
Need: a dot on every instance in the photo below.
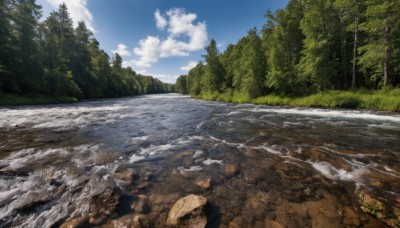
(7, 99)
(384, 100)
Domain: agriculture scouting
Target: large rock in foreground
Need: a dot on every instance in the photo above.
(381, 204)
(190, 211)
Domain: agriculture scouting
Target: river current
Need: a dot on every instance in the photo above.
(103, 161)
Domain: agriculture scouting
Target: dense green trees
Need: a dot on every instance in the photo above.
(308, 47)
(53, 58)
(181, 84)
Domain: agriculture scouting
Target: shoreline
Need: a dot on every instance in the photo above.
(360, 100)
(19, 100)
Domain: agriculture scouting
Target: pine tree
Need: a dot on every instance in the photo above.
(26, 23)
(214, 71)
(59, 39)
(195, 79)
(285, 46)
(253, 65)
(321, 27)
(6, 56)
(81, 64)
(380, 50)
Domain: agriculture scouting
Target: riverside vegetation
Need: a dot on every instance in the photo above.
(313, 53)
(53, 62)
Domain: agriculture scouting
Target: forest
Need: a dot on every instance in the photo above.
(329, 53)
(55, 60)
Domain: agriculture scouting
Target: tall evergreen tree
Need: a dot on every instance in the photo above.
(253, 65)
(320, 25)
(6, 55)
(382, 27)
(59, 35)
(81, 62)
(26, 23)
(214, 71)
(195, 79)
(285, 46)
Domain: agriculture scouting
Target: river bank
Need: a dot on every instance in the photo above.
(382, 100)
(12, 100)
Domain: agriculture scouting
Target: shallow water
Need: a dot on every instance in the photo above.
(292, 166)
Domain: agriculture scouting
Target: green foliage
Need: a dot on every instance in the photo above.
(252, 65)
(60, 84)
(214, 72)
(319, 62)
(285, 45)
(181, 85)
(55, 59)
(195, 79)
(380, 52)
(13, 99)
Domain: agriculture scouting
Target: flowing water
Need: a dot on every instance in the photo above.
(107, 160)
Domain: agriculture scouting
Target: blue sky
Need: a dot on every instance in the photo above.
(165, 38)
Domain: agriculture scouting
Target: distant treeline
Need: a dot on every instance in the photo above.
(53, 58)
(310, 46)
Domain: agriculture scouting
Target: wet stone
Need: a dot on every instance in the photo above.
(203, 182)
(142, 206)
(189, 211)
(125, 176)
(97, 220)
(232, 169)
(76, 223)
(237, 222)
(273, 224)
(380, 204)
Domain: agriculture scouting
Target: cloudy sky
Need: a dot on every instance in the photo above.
(165, 38)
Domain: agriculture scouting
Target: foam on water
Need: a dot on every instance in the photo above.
(211, 161)
(60, 117)
(166, 96)
(135, 158)
(365, 115)
(197, 154)
(190, 169)
(333, 173)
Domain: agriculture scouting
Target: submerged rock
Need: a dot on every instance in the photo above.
(130, 221)
(232, 169)
(126, 176)
(189, 211)
(204, 182)
(76, 223)
(380, 205)
(273, 224)
(142, 206)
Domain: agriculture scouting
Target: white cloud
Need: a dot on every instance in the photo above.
(148, 50)
(184, 36)
(161, 22)
(189, 66)
(78, 11)
(121, 50)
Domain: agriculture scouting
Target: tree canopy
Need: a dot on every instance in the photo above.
(308, 47)
(53, 58)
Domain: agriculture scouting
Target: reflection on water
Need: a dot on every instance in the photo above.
(100, 162)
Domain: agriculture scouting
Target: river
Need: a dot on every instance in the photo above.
(257, 165)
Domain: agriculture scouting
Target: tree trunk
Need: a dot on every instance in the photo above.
(355, 51)
(386, 60)
(343, 49)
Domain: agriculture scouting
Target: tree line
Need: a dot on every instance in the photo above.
(308, 47)
(53, 58)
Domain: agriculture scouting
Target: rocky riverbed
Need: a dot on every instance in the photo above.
(140, 162)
